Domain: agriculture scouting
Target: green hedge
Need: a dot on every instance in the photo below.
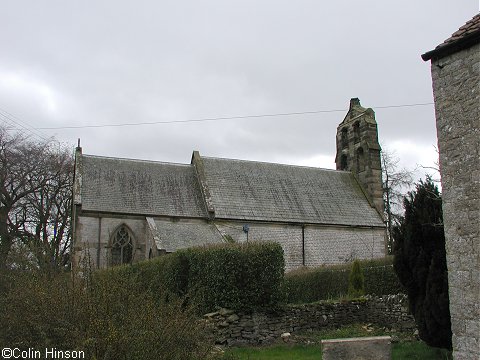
(380, 277)
(330, 282)
(236, 276)
(246, 276)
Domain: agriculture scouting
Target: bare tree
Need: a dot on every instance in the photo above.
(48, 234)
(35, 199)
(433, 171)
(396, 183)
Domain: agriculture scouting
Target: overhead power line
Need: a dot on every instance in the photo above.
(221, 118)
(10, 119)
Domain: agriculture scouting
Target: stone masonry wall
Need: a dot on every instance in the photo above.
(322, 245)
(456, 87)
(288, 236)
(337, 245)
(230, 328)
(93, 238)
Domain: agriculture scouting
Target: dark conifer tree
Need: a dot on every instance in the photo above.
(420, 263)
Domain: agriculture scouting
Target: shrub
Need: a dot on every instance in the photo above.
(356, 281)
(139, 311)
(236, 276)
(124, 321)
(326, 282)
(420, 262)
(109, 317)
(37, 310)
(306, 285)
(380, 277)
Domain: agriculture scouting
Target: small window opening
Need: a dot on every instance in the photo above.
(356, 131)
(343, 162)
(344, 137)
(360, 160)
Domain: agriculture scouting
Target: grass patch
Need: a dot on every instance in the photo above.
(309, 346)
(349, 331)
(418, 350)
(307, 352)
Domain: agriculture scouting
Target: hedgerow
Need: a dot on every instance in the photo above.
(330, 282)
(236, 276)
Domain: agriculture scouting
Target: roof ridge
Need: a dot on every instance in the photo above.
(135, 160)
(271, 163)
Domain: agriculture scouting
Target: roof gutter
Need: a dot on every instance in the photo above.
(455, 46)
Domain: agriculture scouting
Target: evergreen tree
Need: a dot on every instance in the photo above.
(356, 281)
(420, 263)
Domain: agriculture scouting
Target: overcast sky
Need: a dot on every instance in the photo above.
(82, 63)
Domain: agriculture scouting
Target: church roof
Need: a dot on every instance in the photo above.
(140, 187)
(174, 235)
(250, 190)
(237, 190)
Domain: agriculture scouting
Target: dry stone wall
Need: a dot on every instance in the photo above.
(237, 328)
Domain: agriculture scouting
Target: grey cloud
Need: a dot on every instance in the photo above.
(122, 62)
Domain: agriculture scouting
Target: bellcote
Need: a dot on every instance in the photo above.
(358, 150)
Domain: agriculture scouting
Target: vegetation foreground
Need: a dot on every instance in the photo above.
(307, 346)
(150, 310)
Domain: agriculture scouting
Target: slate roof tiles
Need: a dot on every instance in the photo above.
(240, 190)
(250, 190)
(140, 187)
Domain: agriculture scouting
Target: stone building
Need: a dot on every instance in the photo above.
(127, 210)
(455, 68)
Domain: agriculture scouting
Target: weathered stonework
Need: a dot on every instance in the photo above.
(230, 328)
(358, 150)
(313, 245)
(337, 245)
(94, 234)
(456, 88)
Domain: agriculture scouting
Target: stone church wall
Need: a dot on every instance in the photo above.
(310, 246)
(93, 236)
(338, 245)
(456, 87)
(314, 245)
(288, 236)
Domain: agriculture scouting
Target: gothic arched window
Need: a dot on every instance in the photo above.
(122, 246)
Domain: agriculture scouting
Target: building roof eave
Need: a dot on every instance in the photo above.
(444, 50)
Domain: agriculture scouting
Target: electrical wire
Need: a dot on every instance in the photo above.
(221, 118)
(10, 119)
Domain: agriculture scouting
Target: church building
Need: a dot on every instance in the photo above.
(128, 210)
